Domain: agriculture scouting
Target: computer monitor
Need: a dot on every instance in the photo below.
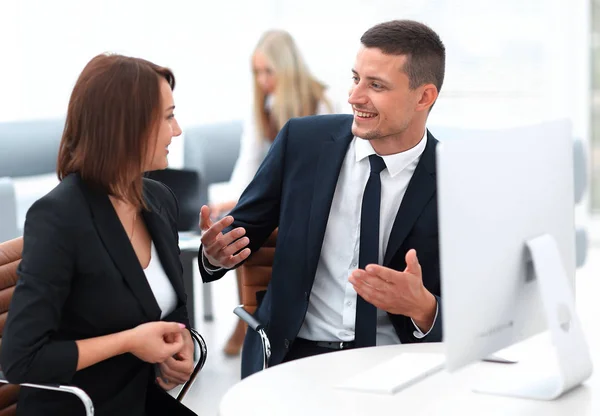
(185, 184)
(507, 251)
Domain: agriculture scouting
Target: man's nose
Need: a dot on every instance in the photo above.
(357, 95)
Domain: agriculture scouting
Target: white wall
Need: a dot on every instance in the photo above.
(509, 62)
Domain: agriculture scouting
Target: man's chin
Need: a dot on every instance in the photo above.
(358, 132)
(363, 134)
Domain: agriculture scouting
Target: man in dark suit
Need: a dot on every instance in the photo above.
(354, 198)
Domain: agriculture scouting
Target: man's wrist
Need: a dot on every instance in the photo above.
(425, 316)
(208, 266)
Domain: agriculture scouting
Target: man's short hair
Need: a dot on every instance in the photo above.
(424, 50)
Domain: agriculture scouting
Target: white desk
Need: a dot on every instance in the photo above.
(309, 386)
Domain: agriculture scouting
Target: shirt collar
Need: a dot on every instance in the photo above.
(395, 163)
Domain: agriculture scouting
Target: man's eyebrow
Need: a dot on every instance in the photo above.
(372, 78)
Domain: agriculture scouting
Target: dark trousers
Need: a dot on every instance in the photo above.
(303, 348)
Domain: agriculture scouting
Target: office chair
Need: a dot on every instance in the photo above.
(186, 185)
(256, 275)
(212, 150)
(10, 257)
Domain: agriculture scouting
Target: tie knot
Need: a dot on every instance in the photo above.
(377, 164)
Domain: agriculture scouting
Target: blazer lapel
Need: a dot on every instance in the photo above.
(421, 189)
(331, 157)
(120, 250)
(162, 235)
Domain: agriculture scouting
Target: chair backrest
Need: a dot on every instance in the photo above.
(29, 147)
(8, 219)
(256, 273)
(212, 150)
(10, 257)
(186, 185)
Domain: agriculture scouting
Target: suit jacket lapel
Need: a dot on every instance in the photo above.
(421, 189)
(119, 248)
(331, 157)
(162, 235)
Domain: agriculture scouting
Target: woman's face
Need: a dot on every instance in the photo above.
(264, 73)
(167, 129)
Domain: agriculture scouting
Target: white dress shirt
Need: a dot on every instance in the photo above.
(332, 308)
(159, 282)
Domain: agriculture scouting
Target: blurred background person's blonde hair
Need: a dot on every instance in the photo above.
(282, 76)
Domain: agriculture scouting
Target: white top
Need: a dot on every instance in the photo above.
(332, 309)
(252, 152)
(160, 284)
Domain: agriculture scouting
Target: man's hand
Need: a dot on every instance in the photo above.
(400, 293)
(177, 369)
(219, 249)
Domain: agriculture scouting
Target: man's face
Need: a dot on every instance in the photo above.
(382, 103)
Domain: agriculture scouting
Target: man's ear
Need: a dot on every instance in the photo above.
(429, 94)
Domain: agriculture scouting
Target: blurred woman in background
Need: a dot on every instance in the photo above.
(283, 88)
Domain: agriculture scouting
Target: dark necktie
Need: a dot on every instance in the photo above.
(366, 313)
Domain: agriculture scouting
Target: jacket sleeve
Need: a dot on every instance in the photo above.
(258, 208)
(31, 352)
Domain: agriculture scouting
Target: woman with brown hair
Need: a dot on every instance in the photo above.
(100, 302)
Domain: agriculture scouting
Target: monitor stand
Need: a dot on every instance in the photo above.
(573, 362)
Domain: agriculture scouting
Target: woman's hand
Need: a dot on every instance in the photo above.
(177, 369)
(155, 342)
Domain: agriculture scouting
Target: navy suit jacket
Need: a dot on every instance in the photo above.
(293, 190)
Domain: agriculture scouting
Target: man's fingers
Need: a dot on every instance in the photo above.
(210, 235)
(228, 238)
(385, 274)
(238, 258)
(369, 293)
(205, 221)
(236, 246)
(362, 278)
(223, 241)
(412, 263)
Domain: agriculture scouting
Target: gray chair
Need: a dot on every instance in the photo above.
(580, 176)
(8, 207)
(29, 147)
(212, 151)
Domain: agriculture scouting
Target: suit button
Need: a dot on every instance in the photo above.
(306, 295)
(286, 343)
